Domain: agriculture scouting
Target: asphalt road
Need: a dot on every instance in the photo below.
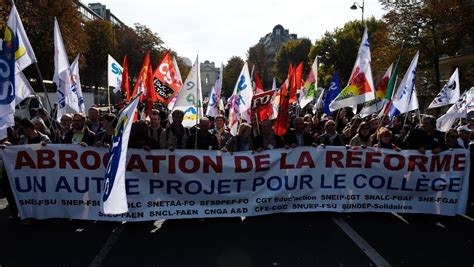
(302, 239)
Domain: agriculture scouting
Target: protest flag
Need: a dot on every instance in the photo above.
(215, 97)
(449, 94)
(360, 87)
(376, 104)
(310, 85)
(241, 100)
(189, 99)
(262, 105)
(167, 79)
(405, 98)
(332, 92)
(114, 197)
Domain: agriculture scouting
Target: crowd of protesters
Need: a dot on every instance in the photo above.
(156, 132)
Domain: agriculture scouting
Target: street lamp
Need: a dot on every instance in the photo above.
(355, 5)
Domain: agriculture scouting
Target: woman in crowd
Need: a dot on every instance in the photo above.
(242, 141)
(384, 137)
(362, 138)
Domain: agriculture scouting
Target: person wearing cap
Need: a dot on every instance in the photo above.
(464, 136)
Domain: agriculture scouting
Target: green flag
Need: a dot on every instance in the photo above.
(393, 78)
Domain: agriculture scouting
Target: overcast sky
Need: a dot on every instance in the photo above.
(217, 30)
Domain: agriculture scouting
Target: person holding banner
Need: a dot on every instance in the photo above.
(267, 138)
(330, 137)
(80, 133)
(464, 136)
(29, 135)
(220, 132)
(385, 139)
(203, 139)
(242, 141)
(155, 129)
(362, 138)
(297, 135)
(175, 136)
(426, 137)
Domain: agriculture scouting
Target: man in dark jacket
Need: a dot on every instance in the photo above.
(80, 133)
(267, 139)
(426, 137)
(204, 140)
(297, 136)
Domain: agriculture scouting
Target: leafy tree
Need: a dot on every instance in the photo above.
(436, 29)
(100, 45)
(231, 73)
(128, 43)
(38, 20)
(256, 57)
(338, 50)
(151, 43)
(294, 51)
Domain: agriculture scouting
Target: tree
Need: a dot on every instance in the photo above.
(436, 29)
(100, 45)
(231, 73)
(38, 20)
(151, 43)
(294, 51)
(256, 57)
(338, 50)
(129, 43)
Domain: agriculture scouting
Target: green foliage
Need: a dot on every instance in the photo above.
(38, 20)
(294, 51)
(256, 57)
(338, 50)
(231, 73)
(101, 43)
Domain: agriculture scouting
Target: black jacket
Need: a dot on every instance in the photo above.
(88, 138)
(290, 138)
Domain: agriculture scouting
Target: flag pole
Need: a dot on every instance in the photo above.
(197, 102)
(40, 77)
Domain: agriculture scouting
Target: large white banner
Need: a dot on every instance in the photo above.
(66, 181)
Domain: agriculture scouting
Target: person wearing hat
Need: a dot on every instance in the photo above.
(464, 136)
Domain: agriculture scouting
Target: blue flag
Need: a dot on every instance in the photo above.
(333, 91)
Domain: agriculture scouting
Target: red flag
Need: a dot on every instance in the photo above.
(166, 80)
(297, 76)
(125, 85)
(145, 84)
(258, 84)
(262, 105)
(282, 124)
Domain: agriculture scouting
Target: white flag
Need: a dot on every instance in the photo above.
(449, 94)
(456, 111)
(114, 74)
(24, 55)
(376, 104)
(62, 72)
(310, 86)
(23, 88)
(470, 101)
(215, 97)
(319, 103)
(114, 197)
(241, 100)
(360, 87)
(189, 99)
(405, 98)
(76, 85)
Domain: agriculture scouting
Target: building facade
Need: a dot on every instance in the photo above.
(272, 42)
(209, 74)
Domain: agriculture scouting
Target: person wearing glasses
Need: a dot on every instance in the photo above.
(452, 139)
(80, 133)
(330, 137)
